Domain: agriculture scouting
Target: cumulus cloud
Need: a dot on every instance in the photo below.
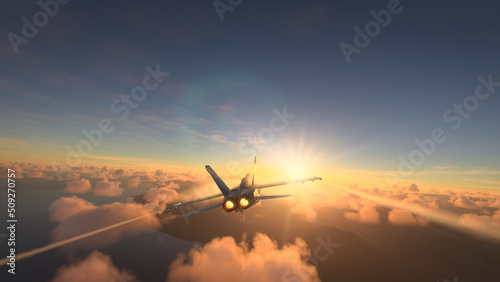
(161, 177)
(148, 178)
(265, 262)
(66, 207)
(476, 201)
(96, 267)
(160, 197)
(305, 208)
(402, 217)
(493, 203)
(481, 221)
(102, 175)
(134, 182)
(120, 172)
(76, 216)
(17, 170)
(413, 188)
(35, 174)
(108, 189)
(65, 173)
(480, 216)
(463, 201)
(78, 186)
(429, 201)
(367, 214)
(71, 176)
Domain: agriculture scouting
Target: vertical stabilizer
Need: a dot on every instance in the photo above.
(254, 171)
(222, 186)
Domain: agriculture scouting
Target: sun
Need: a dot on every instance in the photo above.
(296, 171)
(296, 156)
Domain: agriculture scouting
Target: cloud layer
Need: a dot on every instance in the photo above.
(223, 259)
(78, 186)
(96, 267)
(77, 216)
(108, 188)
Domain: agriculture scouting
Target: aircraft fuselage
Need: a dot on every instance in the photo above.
(239, 199)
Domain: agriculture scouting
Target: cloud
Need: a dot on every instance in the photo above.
(413, 188)
(481, 221)
(66, 207)
(108, 189)
(76, 216)
(160, 197)
(493, 202)
(15, 168)
(35, 174)
(78, 186)
(463, 201)
(134, 182)
(477, 201)
(402, 217)
(264, 262)
(96, 267)
(367, 214)
(71, 176)
(305, 208)
(120, 172)
(148, 178)
(161, 177)
(430, 201)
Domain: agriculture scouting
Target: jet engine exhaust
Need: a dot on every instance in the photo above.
(244, 202)
(229, 204)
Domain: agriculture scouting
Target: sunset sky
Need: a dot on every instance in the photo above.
(227, 77)
(110, 111)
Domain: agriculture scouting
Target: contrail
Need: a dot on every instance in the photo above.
(70, 240)
(445, 218)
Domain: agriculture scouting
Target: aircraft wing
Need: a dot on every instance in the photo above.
(260, 186)
(202, 210)
(196, 201)
(273, 197)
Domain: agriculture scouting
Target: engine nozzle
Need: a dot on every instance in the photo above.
(229, 204)
(244, 202)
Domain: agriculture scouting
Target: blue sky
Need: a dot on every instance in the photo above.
(226, 77)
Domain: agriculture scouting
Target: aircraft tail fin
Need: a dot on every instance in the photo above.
(254, 170)
(222, 186)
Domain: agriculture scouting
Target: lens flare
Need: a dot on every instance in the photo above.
(244, 202)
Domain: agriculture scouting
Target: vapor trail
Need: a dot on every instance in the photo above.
(445, 218)
(70, 240)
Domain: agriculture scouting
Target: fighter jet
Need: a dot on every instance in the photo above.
(241, 197)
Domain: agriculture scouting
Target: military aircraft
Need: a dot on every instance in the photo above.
(241, 197)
